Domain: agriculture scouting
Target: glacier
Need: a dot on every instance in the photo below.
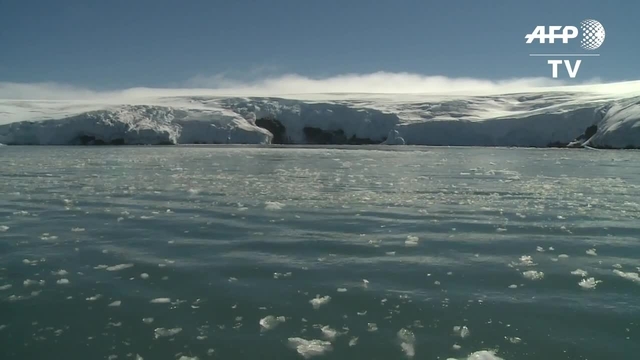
(536, 118)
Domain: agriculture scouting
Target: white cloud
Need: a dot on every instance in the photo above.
(379, 82)
(293, 84)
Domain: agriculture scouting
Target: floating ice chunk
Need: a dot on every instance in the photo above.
(320, 301)
(514, 340)
(482, 355)
(407, 342)
(138, 357)
(628, 275)
(513, 286)
(390, 253)
(77, 229)
(63, 282)
(273, 205)
(161, 301)
(210, 352)
(353, 341)
(29, 282)
(592, 252)
(94, 297)
(329, 333)
(394, 138)
(533, 275)
(371, 327)
(411, 241)
(3, 228)
(579, 272)
(59, 273)
(144, 276)
(310, 348)
(270, 322)
(456, 347)
(589, 283)
(115, 303)
(148, 320)
(341, 290)
(462, 331)
(119, 267)
(617, 266)
(101, 267)
(540, 249)
(162, 332)
(183, 357)
(525, 260)
(563, 256)
(365, 282)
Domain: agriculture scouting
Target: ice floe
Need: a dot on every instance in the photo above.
(319, 301)
(579, 272)
(462, 331)
(162, 332)
(589, 283)
(533, 275)
(525, 261)
(329, 333)
(271, 322)
(30, 282)
(407, 342)
(411, 240)
(635, 277)
(119, 267)
(161, 301)
(309, 348)
(353, 341)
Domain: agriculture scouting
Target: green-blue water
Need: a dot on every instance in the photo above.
(179, 252)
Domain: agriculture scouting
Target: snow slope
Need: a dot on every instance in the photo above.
(535, 118)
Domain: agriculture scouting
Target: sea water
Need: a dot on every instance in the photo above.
(340, 253)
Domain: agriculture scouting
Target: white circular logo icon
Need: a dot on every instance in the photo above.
(592, 34)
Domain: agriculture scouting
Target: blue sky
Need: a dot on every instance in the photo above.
(118, 44)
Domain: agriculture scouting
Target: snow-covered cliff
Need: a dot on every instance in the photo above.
(537, 118)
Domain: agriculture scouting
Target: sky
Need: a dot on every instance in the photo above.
(326, 45)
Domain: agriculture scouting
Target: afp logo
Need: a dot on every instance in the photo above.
(592, 34)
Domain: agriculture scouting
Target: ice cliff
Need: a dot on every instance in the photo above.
(537, 118)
